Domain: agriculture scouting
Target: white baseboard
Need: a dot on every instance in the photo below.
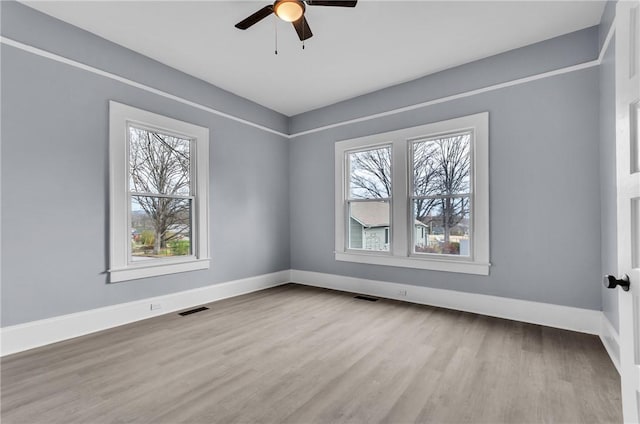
(33, 334)
(18, 338)
(611, 341)
(565, 317)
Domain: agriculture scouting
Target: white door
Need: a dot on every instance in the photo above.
(628, 203)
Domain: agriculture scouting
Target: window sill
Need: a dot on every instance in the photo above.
(464, 267)
(134, 272)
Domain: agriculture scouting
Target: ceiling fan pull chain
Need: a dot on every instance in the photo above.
(275, 29)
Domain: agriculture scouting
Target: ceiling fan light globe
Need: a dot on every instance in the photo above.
(288, 10)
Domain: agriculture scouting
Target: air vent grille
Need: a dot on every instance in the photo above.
(193, 311)
(368, 298)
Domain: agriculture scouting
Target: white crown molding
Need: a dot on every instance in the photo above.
(76, 64)
(462, 95)
(79, 65)
(18, 338)
(557, 316)
(445, 99)
(607, 40)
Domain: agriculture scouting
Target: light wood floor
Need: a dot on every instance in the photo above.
(296, 354)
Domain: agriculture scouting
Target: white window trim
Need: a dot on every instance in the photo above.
(400, 254)
(120, 268)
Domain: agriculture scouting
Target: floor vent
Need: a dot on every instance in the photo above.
(193, 311)
(370, 299)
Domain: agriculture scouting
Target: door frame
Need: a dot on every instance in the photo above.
(627, 76)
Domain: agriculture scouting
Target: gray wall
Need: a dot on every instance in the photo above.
(543, 150)
(55, 174)
(544, 174)
(608, 180)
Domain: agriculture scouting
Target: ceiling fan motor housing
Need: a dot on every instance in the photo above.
(289, 10)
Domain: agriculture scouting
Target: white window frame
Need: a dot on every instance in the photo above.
(401, 252)
(121, 268)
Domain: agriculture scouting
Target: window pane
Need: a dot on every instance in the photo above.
(442, 166)
(158, 163)
(370, 174)
(442, 226)
(160, 227)
(369, 226)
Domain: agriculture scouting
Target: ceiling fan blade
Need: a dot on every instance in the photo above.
(332, 3)
(302, 28)
(255, 18)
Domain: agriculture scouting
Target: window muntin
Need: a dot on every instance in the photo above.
(368, 199)
(441, 197)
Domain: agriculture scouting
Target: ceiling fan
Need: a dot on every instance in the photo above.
(292, 11)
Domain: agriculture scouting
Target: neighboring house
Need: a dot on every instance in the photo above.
(369, 227)
(435, 226)
(434, 234)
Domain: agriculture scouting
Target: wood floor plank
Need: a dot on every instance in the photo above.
(299, 354)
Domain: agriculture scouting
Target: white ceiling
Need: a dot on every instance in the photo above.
(353, 51)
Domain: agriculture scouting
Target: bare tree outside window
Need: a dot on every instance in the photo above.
(370, 174)
(441, 170)
(160, 189)
(441, 192)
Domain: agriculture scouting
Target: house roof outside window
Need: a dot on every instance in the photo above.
(373, 214)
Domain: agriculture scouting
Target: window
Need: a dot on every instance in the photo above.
(416, 197)
(158, 194)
